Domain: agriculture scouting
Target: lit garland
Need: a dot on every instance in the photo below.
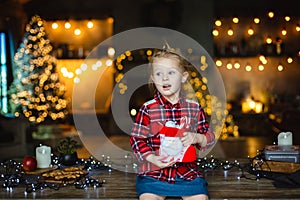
(12, 174)
(36, 91)
(269, 42)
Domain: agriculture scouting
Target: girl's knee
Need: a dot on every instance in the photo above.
(196, 197)
(149, 196)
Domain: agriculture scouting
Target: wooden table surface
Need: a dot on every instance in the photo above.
(121, 185)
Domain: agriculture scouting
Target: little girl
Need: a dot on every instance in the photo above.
(170, 124)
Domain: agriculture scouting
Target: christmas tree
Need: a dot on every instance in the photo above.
(36, 91)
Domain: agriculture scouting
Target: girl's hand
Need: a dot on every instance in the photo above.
(189, 138)
(157, 160)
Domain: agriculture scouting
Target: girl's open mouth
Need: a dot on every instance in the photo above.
(166, 86)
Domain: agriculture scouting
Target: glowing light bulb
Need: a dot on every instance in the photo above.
(235, 20)
(256, 20)
(289, 60)
(90, 24)
(298, 28)
(229, 66)
(218, 22)
(219, 63)
(215, 32)
(250, 31)
(54, 25)
(248, 68)
(237, 65)
(269, 40)
(111, 51)
(280, 67)
(271, 14)
(77, 31)
(287, 18)
(283, 32)
(230, 32)
(261, 67)
(67, 25)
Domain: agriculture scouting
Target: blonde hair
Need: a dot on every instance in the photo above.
(170, 53)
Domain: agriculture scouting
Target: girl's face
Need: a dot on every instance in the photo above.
(168, 76)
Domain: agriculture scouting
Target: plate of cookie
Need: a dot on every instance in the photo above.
(66, 175)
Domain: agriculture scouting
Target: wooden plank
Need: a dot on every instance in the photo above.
(120, 185)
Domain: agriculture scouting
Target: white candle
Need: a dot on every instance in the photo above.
(285, 138)
(43, 156)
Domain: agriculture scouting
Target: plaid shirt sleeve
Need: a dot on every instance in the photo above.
(203, 128)
(139, 139)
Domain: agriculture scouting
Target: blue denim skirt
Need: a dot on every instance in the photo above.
(181, 187)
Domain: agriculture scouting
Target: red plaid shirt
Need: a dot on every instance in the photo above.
(144, 140)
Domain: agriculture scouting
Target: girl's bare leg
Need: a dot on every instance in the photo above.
(150, 196)
(196, 197)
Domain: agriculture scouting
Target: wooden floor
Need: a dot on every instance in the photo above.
(121, 185)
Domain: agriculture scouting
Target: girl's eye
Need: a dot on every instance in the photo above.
(171, 72)
(158, 73)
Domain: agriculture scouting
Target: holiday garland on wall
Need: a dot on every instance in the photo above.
(36, 91)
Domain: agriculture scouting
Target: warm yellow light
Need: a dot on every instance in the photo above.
(298, 28)
(248, 68)
(250, 31)
(133, 112)
(218, 22)
(77, 31)
(237, 65)
(271, 14)
(109, 62)
(287, 18)
(90, 24)
(111, 51)
(70, 75)
(235, 20)
(261, 67)
(262, 57)
(258, 107)
(280, 67)
(67, 25)
(215, 32)
(289, 60)
(230, 32)
(127, 53)
(76, 80)
(283, 32)
(269, 40)
(120, 67)
(229, 66)
(252, 104)
(256, 20)
(219, 63)
(149, 52)
(54, 25)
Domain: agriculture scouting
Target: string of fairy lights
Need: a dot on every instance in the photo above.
(273, 32)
